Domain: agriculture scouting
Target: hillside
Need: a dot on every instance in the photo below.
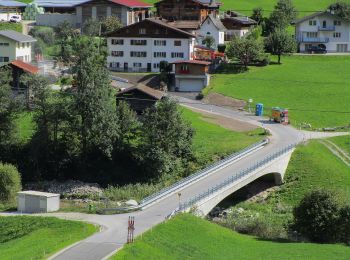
(189, 237)
(307, 85)
(246, 7)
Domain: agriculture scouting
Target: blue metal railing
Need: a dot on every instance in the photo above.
(230, 180)
(200, 174)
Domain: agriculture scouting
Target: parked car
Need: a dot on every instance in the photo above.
(15, 19)
(317, 49)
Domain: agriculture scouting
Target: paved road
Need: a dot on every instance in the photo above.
(113, 235)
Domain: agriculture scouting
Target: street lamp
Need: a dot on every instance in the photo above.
(179, 195)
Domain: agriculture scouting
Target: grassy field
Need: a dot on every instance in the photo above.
(11, 26)
(212, 141)
(246, 7)
(343, 142)
(307, 85)
(188, 237)
(25, 125)
(37, 238)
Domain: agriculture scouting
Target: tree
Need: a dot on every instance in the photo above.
(341, 9)
(209, 42)
(166, 139)
(10, 182)
(8, 109)
(94, 103)
(316, 217)
(280, 42)
(111, 24)
(282, 15)
(244, 49)
(258, 15)
(92, 27)
(344, 224)
(65, 34)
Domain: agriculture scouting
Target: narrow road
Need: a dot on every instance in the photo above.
(114, 233)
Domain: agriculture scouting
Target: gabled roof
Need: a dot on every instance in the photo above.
(11, 3)
(58, 3)
(197, 62)
(25, 66)
(156, 94)
(127, 3)
(16, 36)
(241, 20)
(216, 21)
(185, 24)
(156, 21)
(305, 18)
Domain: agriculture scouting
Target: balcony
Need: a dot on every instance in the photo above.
(326, 28)
(314, 40)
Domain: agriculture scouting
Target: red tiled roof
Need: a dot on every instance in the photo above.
(25, 66)
(131, 3)
(199, 62)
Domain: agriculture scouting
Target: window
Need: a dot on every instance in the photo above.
(337, 23)
(4, 44)
(159, 54)
(138, 54)
(28, 44)
(114, 65)
(336, 35)
(177, 55)
(156, 65)
(117, 42)
(311, 34)
(23, 44)
(137, 65)
(177, 43)
(138, 42)
(312, 22)
(142, 31)
(185, 68)
(4, 59)
(117, 53)
(159, 42)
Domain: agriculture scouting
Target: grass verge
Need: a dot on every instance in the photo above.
(189, 237)
(24, 237)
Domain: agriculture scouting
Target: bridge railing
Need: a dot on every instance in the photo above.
(190, 203)
(202, 173)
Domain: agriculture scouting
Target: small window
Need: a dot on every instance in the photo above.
(337, 23)
(23, 44)
(177, 55)
(336, 35)
(4, 59)
(159, 54)
(185, 68)
(177, 43)
(312, 22)
(156, 65)
(117, 53)
(138, 42)
(142, 31)
(137, 65)
(159, 42)
(117, 42)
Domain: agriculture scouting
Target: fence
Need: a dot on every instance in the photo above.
(200, 174)
(209, 192)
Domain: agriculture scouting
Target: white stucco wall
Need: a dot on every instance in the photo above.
(303, 28)
(186, 48)
(209, 29)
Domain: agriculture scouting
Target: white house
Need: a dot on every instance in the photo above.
(237, 26)
(15, 46)
(325, 30)
(212, 26)
(141, 47)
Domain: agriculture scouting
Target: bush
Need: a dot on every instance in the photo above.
(317, 216)
(344, 224)
(46, 34)
(10, 182)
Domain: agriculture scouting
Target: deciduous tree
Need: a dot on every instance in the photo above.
(280, 42)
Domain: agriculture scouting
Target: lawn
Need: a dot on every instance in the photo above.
(307, 85)
(189, 237)
(343, 142)
(25, 237)
(25, 125)
(212, 141)
(11, 26)
(246, 7)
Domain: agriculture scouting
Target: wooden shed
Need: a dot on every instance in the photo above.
(140, 97)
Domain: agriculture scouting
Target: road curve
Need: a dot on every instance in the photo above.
(114, 234)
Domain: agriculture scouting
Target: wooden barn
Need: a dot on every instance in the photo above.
(140, 97)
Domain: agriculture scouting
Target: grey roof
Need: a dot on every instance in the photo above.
(11, 3)
(313, 16)
(216, 21)
(16, 36)
(58, 3)
(209, 2)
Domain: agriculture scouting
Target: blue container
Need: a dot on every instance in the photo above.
(259, 109)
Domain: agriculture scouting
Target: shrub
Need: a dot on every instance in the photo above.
(316, 217)
(10, 182)
(344, 224)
